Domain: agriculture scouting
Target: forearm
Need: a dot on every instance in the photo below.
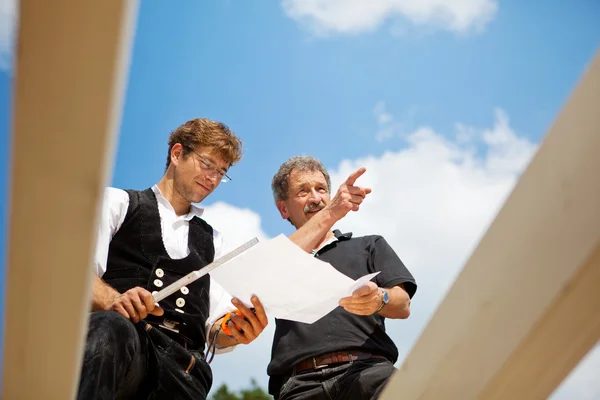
(399, 304)
(103, 295)
(313, 231)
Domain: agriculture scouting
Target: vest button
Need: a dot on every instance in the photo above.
(185, 290)
(180, 302)
(158, 283)
(159, 272)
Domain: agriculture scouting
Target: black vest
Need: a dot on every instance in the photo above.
(137, 257)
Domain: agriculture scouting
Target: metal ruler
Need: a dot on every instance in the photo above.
(192, 276)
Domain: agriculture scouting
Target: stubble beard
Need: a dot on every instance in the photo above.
(185, 191)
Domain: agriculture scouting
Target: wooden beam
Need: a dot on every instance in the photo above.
(71, 69)
(524, 310)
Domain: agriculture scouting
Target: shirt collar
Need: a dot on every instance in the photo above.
(337, 236)
(195, 211)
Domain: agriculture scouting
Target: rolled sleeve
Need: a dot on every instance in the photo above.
(220, 304)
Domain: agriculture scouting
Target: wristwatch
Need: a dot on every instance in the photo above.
(385, 299)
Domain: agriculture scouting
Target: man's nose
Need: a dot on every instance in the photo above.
(314, 196)
(212, 177)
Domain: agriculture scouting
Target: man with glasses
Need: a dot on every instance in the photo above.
(147, 240)
(346, 355)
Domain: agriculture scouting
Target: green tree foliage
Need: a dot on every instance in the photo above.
(255, 392)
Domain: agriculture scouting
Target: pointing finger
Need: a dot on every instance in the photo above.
(355, 175)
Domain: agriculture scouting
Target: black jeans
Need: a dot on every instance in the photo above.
(124, 360)
(359, 380)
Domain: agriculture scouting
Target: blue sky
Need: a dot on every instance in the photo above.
(361, 87)
(284, 92)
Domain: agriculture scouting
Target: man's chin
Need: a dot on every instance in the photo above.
(198, 198)
(311, 214)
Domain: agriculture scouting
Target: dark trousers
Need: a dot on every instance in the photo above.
(359, 380)
(124, 360)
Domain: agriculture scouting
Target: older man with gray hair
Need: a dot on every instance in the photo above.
(346, 354)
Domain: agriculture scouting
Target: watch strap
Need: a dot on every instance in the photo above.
(383, 303)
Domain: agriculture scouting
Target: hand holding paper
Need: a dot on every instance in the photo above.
(290, 283)
(364, 301)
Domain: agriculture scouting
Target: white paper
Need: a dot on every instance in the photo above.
(290, 283)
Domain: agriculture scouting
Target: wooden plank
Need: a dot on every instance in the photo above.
(524, 310)
(71, 67)
(564, 335)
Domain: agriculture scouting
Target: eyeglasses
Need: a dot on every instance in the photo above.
(208, 166)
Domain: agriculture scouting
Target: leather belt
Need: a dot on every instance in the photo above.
(327, 359)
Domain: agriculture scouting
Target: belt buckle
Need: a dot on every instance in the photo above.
(169, 325)
(315, 366)
(350, 359)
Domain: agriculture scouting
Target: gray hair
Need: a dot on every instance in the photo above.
(281, 181)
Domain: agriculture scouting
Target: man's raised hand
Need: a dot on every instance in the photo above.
(348, 197)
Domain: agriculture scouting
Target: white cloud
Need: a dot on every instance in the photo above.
(237, 225)
(432, 201)
(324, 17)
(388, 126)
(8, 23)
(383, 117)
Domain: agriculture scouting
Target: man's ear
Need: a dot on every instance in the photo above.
(176, 153)
(281, 206)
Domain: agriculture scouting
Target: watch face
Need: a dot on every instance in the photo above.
(386, 297)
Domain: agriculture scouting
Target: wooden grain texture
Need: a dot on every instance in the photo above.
(71, 67)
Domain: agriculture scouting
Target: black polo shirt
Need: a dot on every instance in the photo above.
(340, 330)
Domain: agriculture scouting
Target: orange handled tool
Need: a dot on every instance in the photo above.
(224, 326)
(226, 319)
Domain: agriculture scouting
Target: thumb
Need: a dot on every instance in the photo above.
(158, 311)
(365, 290)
